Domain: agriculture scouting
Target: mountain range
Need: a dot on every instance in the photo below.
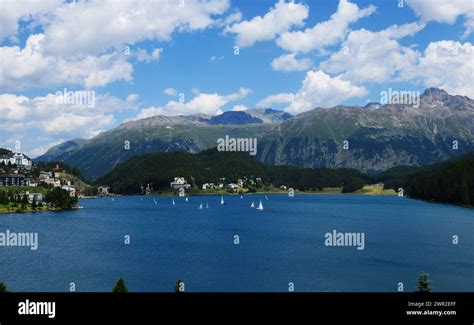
(371, 138)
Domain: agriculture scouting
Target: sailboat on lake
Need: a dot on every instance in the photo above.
(186, 199)
(200, 206)
(260, 206)
(222, 200)
(174, 202)
(252, 205)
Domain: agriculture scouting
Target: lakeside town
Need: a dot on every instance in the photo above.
(27, 186)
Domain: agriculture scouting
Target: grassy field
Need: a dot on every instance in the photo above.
(9, 208)
(375, 190)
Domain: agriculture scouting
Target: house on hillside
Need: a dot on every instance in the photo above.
(208, 186)
(16, 158)
(14, 180)
(103, 190)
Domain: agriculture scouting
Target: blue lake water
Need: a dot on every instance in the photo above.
(283, 243)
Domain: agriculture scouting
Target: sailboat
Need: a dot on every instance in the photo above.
(207, 205)
(222, 200)
(154, 200)
(186, 199)
(260, 206)
(173, 202)
(200, 206)
(266, 197)
(241, 197)
(253, 205)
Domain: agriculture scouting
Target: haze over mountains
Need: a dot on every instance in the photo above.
(378, 136)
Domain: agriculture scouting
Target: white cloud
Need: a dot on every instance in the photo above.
(28, 67)
(234, 17)
(143, 56)
(367, 56)
(210, 104)
(445, 12)
(289, 62)
(325, 33)
(132, 98)
(279, 19)
(239, 108)
(216, 58)
(124, 22)
(84, 44)
(170, 92)
(281, 98)
(13, 11)
(43, 114)
(317, 90)
(445, 64)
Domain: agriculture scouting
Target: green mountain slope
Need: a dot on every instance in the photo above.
(379, 136)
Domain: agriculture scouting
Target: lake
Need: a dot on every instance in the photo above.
(284, 243)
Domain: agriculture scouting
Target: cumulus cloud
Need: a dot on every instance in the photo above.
(270, 101)
(127, 22)
(170, 92)
(318, 89)
(445, 12)
(239, 108)
(367, 56)
(29, 67)
(55, 118)
(445, 64)
(279, 19)
(12, 12)
(143, 56)
(325, 33)
(289, 62)
(210, 104)
(85, 43)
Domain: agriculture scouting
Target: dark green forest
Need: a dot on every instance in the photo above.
(210, 166)
(450, 181)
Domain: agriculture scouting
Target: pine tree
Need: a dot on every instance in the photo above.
(424, 284)
(120, 286)
(3, 287)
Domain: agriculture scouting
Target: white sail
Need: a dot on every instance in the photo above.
(154, 200)
(241, 197)
(253, 205)
(186, 199)
(200, 206)
(222, 199)
(260, 206)
(266, 197)
(173, 202)
(207, 205)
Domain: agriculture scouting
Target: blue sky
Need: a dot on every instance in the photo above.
(292, 56)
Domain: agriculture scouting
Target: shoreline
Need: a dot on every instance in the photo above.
(30, 210)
